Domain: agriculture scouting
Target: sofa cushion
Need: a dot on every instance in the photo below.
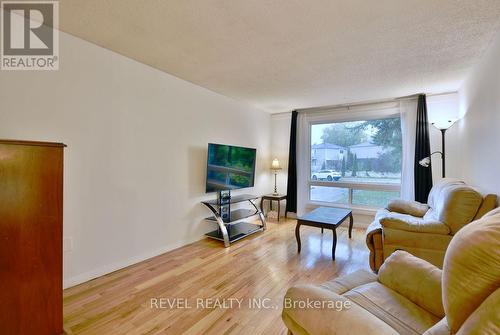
(456, 206)
(485, 319)
(397, 311)
(437, 189)
(440, 328)
(471, 269)
(414, 278)
(353, 319)
(489, 203)
(413, 208)
(345, 283)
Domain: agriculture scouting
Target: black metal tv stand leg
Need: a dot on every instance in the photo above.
(220, 222)
(261, 215)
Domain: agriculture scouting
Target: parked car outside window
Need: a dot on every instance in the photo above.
(330, 175)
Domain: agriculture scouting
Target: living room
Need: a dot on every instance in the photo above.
(207, 167)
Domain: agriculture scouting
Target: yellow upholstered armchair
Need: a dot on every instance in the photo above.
(425, 230)
(409, 295)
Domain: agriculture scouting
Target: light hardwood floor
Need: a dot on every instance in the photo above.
(259, 267)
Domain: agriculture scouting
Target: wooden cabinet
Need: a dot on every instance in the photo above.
(31, 215)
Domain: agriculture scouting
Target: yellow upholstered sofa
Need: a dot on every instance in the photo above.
(425, 230)
(409, 295)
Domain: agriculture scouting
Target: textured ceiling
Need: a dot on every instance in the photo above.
(285, 54)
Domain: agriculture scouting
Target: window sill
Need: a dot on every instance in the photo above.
(356, 209)
(358, 186)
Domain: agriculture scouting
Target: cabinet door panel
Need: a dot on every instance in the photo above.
(31, 186)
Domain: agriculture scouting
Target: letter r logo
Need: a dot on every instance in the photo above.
(27, 28)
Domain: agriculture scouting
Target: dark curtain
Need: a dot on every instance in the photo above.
(291, 188)
(423, 175)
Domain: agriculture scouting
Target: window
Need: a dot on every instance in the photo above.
(373, 198)
(335, 195)
(356, 162)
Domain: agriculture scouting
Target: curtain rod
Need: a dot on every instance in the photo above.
(369, 102)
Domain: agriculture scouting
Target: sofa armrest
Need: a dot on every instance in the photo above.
(415, 279)
(418, 225)
(338, 315)
(413, 208)
(374, 243)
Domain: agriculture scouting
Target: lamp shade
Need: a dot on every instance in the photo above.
(443, 110)
(275, 165)
(425, 162)
(444, 124)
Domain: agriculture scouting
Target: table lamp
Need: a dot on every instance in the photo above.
(275, 166)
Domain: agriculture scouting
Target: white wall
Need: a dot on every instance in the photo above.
(136, 156)
(477, 158)
(280, 142)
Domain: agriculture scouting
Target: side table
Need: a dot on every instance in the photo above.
(271, 198)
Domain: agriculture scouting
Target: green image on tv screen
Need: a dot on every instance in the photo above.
(229, 167)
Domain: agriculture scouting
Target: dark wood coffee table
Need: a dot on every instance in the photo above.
(325, 218)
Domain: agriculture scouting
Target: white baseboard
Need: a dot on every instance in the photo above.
(361, 222)
(106, 269)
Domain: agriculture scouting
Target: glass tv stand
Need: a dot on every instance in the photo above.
(231, 227)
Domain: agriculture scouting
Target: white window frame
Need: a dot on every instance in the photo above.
(346, 114)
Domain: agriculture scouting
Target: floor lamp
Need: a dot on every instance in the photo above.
(443, 127)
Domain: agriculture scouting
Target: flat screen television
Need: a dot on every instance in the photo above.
(229, 167)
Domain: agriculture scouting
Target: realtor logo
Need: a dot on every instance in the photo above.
(29, 35)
